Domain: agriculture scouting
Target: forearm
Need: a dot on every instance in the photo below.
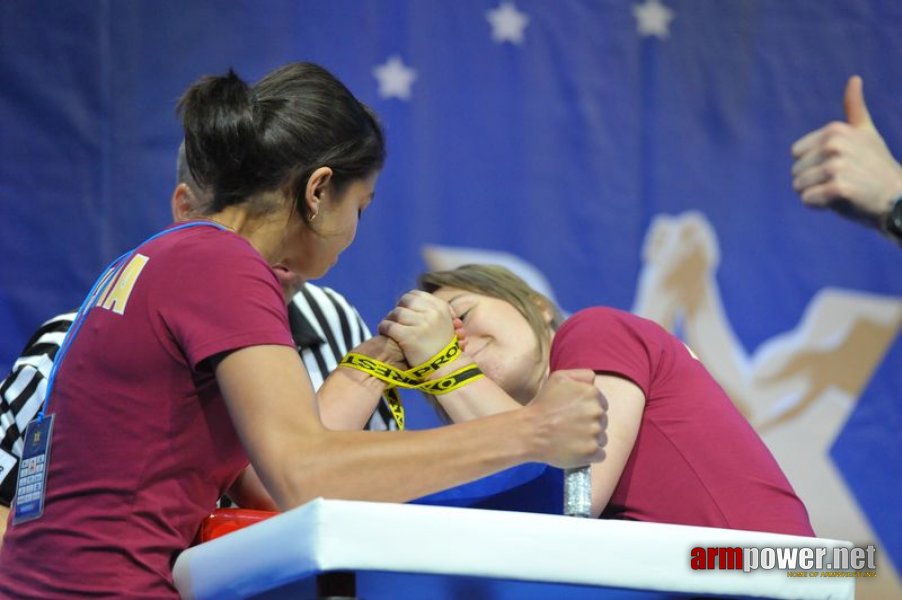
(4, 515)
(480, 398)
(298, 459)
(626, 404)
(273, 409)
(249, 492)
(348, 398)
(401, 466)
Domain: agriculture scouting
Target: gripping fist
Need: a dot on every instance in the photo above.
(421, 324)
(572, 412)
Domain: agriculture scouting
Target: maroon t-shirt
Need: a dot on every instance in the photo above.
(142, 443)
(696, 460)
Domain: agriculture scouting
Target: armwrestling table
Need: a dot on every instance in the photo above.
(375, 551)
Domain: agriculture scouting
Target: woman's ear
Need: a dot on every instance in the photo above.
(182, 203)
(317, 191)
(550, 314)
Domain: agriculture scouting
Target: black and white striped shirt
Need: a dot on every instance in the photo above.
(324, 325)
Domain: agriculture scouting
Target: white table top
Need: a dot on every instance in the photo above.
(330, 535)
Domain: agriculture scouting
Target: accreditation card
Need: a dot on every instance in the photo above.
(32, 481)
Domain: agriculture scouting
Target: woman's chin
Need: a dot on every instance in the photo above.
(290, 281)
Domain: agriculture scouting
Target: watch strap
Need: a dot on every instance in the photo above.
(892, 223)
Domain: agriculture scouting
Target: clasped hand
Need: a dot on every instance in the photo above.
(421, 324)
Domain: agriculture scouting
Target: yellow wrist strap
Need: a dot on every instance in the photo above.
(379, 370)
(406, 379)
(451, 382)
(393, 399)
(413, 378)
(448, 354)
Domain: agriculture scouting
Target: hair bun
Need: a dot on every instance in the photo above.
(218, 115)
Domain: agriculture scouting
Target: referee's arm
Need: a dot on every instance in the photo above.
(21, 398)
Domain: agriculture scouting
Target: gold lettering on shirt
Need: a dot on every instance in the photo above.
(122, 284)
(104, 288)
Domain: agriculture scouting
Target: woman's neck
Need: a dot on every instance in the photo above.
(264, 230)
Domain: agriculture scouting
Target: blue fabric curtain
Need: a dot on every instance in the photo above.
(592, 144)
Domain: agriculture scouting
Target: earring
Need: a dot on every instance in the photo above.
(312, 217)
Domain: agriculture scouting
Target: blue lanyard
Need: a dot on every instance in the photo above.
(91, 298)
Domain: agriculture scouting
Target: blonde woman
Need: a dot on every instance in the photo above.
(676, 449)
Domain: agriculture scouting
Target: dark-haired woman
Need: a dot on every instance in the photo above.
(677, 449)
(182, 369)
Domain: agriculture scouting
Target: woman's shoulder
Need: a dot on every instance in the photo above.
(610, 321)
(603, 314)
(209, 260)
(201, 246)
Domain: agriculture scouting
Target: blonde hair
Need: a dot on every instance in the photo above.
(498, 282)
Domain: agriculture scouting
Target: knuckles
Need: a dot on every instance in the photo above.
(836, 128)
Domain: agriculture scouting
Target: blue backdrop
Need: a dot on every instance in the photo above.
(555, 132)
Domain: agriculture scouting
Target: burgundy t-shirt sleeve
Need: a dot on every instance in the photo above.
(605, 340)
(223, 297)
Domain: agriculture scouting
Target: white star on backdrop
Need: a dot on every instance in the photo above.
(508, 23)
(653, 18)
(395, 78)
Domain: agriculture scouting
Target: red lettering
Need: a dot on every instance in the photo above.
(698, 558)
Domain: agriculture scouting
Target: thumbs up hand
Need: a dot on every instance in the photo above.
(846, 166)
(856, 110)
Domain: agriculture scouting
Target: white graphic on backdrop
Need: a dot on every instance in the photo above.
(395, 78)
(653, 19)
(508, 23)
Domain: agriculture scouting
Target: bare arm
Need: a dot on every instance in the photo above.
(249, 492)
(274, 411)
(626, 403)
(348, 397)
(478, 399)
(4, 515)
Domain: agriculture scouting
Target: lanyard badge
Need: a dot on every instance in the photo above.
(32, 481)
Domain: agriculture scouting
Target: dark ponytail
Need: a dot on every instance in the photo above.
(220, 136)
(243, 140)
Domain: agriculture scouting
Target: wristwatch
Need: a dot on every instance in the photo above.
(892, 223)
